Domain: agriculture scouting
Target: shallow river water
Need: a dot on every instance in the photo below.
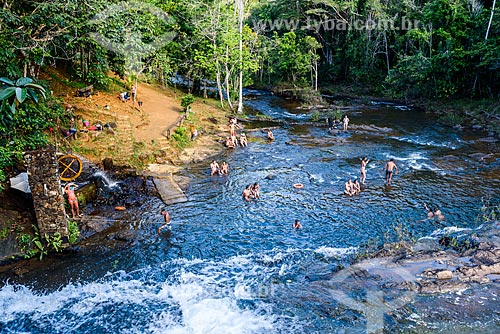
(230, 266)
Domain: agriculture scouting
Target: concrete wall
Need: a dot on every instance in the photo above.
(45, 187)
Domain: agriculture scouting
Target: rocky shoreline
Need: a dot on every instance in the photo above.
(450, 263)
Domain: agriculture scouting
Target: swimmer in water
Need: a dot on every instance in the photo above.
(430, 214)
(255, 190)
(247, 193)
(297, 225)
(224, 169)
(438, 214)
(214, 168)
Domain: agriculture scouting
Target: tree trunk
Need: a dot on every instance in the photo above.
(387, 55)
(228, 88)
(491, 19)
(217, 78)
(240, 78)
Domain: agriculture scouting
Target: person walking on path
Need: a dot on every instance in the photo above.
(69, 189)
(133, 90)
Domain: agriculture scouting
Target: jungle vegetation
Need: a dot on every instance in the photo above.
(400, 48)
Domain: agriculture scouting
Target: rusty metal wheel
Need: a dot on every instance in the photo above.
(70, 167)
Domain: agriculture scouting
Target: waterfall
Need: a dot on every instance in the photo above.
(104, 182)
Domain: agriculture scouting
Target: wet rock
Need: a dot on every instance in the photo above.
(107, 163)
(125, 236)
(450, 158)
(443, 286)
(480, 156)
(182, 181)
(487, 257)
(270, 177)
(92, 225)
(488, 140)
(444, 275)
(20, 271)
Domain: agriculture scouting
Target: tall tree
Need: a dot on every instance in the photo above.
(491, 19)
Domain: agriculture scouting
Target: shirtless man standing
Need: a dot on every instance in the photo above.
(214, 167)
(346, 122)
(232, 131)
(270, 135)
(364, 162)
(389, 169)
(69, 189)
(167, 220)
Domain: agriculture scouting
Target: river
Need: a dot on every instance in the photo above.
(230, 266)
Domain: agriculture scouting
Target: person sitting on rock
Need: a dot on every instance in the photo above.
(214, 168)
(349, 188)
(356, 187)
(243, 140)
(224, 169)
(270, 135)
(229, 142)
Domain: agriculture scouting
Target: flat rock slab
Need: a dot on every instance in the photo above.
(170, 192)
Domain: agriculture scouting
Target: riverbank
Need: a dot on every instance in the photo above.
(136, 138)
(477, 114)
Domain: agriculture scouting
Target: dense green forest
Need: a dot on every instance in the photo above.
(403, 49)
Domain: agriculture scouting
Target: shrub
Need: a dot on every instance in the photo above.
(187, 100)
(180, 136)
(451, 119)
(73, 231)
(315, 116)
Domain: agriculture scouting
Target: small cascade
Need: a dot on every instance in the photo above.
(108, 190)
(103, 181)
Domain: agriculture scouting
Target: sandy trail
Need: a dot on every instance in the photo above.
(159, 111)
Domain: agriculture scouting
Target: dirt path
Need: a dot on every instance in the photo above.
(159, 110)
(140, 132)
